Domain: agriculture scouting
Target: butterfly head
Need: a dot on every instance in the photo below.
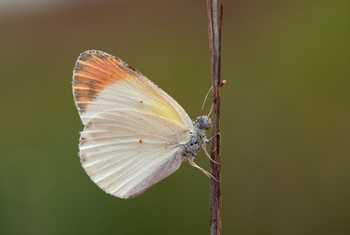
(203, 122)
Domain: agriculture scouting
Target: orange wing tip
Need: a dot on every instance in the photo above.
(100, 56)
(88, 55)
(94, 71)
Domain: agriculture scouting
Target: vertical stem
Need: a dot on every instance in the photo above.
(215, 10)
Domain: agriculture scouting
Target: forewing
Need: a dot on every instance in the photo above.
(102, 82)
(126, 152)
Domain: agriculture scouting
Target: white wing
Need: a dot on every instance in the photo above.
(133, 129)
(124, 152)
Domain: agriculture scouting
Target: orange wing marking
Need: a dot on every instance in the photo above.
(93, 72)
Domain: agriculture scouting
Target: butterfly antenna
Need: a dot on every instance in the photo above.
(209, 175)
(206, 97)
(211, 110)
(223, 82)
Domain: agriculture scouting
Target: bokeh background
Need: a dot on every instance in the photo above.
(285, 115)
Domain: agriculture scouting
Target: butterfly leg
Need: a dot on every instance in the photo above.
(206, 140)
(208, 155)
(192, 163)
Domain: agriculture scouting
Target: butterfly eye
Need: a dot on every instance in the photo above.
(203, 122)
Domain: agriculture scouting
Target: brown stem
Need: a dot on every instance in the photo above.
(215, 13)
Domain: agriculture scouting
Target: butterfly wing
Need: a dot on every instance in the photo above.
(103, 82)
(125, 152)
(133, 130)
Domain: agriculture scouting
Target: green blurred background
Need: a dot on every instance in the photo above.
(285, 115)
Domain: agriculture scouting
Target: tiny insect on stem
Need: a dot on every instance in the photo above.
(223, 82)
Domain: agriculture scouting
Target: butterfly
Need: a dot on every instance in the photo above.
(134, 133)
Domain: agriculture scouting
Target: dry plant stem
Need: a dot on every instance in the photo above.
(215, 13)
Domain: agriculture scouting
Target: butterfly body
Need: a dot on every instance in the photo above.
(198, 137)
(134, 133)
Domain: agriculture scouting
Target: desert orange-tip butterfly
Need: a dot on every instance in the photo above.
(134, 133)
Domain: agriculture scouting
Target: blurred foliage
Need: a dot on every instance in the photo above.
(285, 116)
